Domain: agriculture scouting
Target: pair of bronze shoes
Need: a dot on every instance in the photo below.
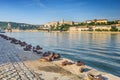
(97, 77)
(78, 63)
(64, 63)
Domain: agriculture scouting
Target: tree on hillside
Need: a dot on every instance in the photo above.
(113, 28)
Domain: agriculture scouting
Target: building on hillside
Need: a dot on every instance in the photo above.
(73, 29)
(117, 21)
(97, 21)
(62, 22)
(101, 21)
(78, 28)
(83, 29)
(41, 26)
(69, 22)
(89, 21)
(55, 24)
(90, 28)
(52, 23)
(49, 25)
(106, 27)
(76, 23)
(116, 26)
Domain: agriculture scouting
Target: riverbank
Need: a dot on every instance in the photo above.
(48, 70)
(100, 32)
(16, 30)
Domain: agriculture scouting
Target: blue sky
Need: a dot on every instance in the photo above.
(43, 11)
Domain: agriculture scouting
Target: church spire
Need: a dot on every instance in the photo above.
(62, 21)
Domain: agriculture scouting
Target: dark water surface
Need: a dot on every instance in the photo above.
(98, 50)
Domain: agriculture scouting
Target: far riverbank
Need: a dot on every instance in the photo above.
(16, 30)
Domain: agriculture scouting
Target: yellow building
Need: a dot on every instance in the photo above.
(68, 22)
(93, 28)
(89, 21)
(97, 21)
(83, 29)
(51, 24)
(101, 21)
(119, 22)
(78, 28)
(117, 26)
(76, 23)
(73, 29)
(102, 27)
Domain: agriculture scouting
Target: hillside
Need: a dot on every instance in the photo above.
(22, 26)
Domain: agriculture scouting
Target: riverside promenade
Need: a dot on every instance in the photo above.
(11, 66)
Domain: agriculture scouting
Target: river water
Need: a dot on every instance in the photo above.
(98, 50)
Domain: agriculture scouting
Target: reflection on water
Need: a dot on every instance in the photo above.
(101, 51)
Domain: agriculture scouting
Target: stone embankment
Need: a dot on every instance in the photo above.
(11, 66)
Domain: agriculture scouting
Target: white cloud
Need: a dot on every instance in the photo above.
(37, 3)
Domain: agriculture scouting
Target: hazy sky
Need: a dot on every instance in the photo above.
(43, 11)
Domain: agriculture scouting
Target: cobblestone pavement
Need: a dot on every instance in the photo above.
(11, 67)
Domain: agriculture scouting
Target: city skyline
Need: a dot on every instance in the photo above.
(43, 11)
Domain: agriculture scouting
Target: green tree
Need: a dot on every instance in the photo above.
(98, 30)
(113, 28)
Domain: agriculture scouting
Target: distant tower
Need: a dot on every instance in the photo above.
(62, 21)
(9, 28)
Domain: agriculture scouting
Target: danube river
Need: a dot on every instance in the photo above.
(98, 50)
